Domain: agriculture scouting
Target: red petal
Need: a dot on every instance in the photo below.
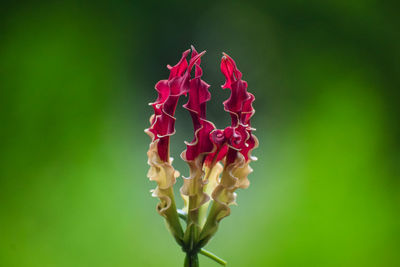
(196, 105)
(169, 91)
(239, 105)
(229, 69)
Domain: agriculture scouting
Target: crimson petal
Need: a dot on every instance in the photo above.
(239, 105)
(169, 91)
(196, 105)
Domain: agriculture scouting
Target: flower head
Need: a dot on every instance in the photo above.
(218, 159)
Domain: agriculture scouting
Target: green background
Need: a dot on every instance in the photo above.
(75, 80)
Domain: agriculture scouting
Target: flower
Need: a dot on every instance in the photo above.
(218, 159)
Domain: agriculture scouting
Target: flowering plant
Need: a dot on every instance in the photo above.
(218, 159)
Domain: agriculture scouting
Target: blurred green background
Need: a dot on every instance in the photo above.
(75, 80)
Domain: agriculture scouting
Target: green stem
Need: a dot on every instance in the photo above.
(211, 225)
(191, 260)
(173, 219)
(192, 224)
(213, 256)
(192, 232)
(193, 215)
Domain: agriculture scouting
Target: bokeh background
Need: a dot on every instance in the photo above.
(75, 80)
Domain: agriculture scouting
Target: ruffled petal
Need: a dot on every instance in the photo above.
(240, 107)
(196, 105)
(163, 121)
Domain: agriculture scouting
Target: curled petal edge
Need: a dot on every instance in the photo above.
(164, 175)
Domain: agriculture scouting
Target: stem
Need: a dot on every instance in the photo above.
(191, 260)
(192, 223)
(192, 231)
(173, 219)
(213, 256)
(211, 226)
